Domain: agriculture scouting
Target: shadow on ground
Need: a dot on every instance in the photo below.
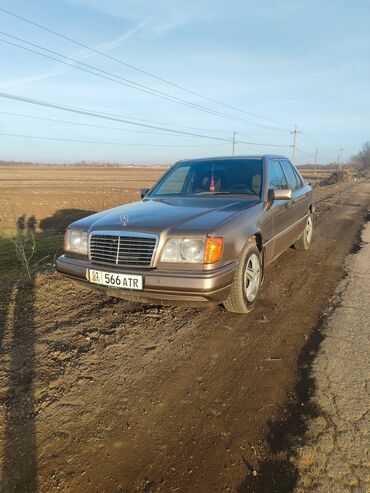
(20, 465)
(62, 218)
(280, 475)
(17, 327)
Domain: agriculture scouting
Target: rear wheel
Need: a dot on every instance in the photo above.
(247, 281)
(304, 242)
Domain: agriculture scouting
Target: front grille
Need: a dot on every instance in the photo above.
(129, 249)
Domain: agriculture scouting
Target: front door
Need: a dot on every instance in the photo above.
(300, 198)
(281, 213)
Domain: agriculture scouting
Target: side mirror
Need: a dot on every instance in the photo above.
(143, 192)
(281, 194)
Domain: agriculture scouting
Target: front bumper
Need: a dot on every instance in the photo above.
(160, 286)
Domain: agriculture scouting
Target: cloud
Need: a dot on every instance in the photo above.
(150, 28)
(111, 45)
(162, 15)
(25, 81)
(83, 54)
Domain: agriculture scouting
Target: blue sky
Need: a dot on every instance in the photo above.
(299, 62)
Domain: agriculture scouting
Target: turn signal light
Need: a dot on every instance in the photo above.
(213, 250)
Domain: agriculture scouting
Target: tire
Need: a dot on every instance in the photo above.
(304, 242)
(246, 283)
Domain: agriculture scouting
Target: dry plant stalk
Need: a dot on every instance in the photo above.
(25, 247)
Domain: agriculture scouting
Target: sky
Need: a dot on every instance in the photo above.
(254, 68)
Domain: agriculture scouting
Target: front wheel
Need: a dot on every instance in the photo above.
(304, 242)
(247, 281)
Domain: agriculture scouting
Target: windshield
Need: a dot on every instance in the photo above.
(213, 177)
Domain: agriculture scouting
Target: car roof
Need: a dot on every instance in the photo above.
(247, 156)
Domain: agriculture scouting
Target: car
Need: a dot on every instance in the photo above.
(204, 233)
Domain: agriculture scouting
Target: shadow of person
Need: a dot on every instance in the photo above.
(5, 302)
(17, 323)
(31, 223)
(20, 463)
(18, 328)
(21, 222)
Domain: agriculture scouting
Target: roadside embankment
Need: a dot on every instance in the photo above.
(336, 456)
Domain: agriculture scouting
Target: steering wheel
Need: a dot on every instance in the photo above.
(243, 188)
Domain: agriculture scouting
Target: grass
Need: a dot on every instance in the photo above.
(48, 246)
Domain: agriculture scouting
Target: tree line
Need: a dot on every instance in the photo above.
(362, 158)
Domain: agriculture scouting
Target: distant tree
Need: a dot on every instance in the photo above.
(362, 159)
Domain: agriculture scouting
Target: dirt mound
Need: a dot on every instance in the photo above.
(338, 177)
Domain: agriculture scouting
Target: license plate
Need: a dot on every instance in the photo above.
(114, 280)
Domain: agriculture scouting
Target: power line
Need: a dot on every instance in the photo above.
(38, 137)
(261, 144)
(305, 153)
(303, 135)
(197, 129)
(87, 112)
(61, 139)
(69, 122)
(91, 113)
(115, 78)
(94, 50)
(313, 143)
(269, 128)
(22, 115)
(122, 81)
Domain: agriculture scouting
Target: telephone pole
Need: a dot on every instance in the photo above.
(293, 146)
(234, 142)
(339, 159)
(317, 150)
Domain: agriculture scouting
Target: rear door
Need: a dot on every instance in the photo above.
(300, 198)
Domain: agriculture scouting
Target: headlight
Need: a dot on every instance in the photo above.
(192, 250)
(75, 241)
(171, 251)
(183, 250)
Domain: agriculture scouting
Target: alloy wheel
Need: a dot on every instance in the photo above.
(252, 277)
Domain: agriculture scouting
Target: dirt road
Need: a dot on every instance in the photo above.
(100, 395)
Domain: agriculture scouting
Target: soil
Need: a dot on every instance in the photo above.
(103, 395)
(55, 195)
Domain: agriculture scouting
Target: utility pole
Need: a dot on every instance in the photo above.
(339, 159)
(234, 142)
(293, 146)
(317, 150)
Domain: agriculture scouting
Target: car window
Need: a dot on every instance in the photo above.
(291, 175)
(299, 178)
(214, 176)
(175, 181)
(276, 176)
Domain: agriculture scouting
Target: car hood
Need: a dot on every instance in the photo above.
(179, 214)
